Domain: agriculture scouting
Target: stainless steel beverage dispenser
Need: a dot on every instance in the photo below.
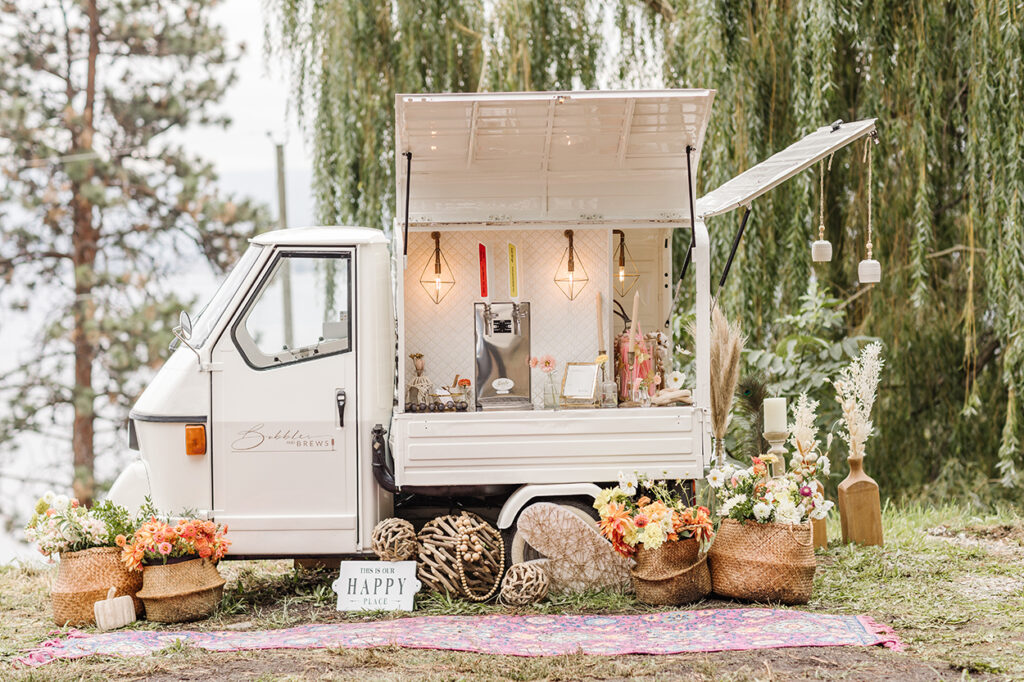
(502, 356)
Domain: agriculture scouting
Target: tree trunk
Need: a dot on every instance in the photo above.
(84, 240)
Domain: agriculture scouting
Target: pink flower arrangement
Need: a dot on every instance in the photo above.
(545, 362)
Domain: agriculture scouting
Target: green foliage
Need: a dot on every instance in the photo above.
(99, 205)
(805, 351)
(948, 183)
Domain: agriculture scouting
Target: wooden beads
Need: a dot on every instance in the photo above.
(462, 555)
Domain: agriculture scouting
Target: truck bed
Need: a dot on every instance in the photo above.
(546, 446)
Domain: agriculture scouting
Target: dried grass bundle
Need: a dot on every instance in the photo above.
(726, 350)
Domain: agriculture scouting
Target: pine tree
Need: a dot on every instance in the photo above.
(99, 203)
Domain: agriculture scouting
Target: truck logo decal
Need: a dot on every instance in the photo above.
(288, 439)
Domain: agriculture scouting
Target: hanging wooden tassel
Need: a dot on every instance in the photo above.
(869, 271)
(821, 250)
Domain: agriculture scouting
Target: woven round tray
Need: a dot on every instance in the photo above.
(181, 592)
(83, 578)
(675, 573)
(763, 562)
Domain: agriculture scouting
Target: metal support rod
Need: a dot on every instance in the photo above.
(732, 252)
(693, 215)
(286, 268)
(408, 178)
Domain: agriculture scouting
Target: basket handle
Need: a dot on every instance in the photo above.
(700, 559)
(793, 533)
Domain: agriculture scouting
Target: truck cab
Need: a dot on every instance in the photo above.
(285, 409)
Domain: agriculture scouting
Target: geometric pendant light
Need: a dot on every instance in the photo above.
(625, 273)
(437, 279)
(571, 276)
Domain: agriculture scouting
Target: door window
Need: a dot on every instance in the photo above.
(302, 310)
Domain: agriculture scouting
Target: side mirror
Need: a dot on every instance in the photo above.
(183, 332)
(185, 324)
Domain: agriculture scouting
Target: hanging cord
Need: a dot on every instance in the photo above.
(867, 158)
(821, 204)
(821, 196)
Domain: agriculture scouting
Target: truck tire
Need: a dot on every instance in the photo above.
(518, 550)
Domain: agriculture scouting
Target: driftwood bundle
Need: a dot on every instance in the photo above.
(394, 540)
(444, 568)
(726, 352)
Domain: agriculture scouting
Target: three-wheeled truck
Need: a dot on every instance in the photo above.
(285, 411)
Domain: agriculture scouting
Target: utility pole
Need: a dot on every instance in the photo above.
(282, 220)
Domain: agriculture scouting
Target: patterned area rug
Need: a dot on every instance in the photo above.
(656, 633)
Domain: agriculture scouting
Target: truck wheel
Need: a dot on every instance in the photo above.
(518, 550)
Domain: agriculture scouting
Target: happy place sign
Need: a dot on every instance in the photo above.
(376, 585)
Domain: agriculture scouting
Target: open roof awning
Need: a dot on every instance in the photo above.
(548, 157)
(771, 172)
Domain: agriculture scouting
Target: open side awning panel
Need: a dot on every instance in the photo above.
(552, 156)
(771, 172)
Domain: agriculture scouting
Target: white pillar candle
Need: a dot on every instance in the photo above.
(775, 415)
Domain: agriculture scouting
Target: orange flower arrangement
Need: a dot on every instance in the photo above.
(629, 523)
(156, 541)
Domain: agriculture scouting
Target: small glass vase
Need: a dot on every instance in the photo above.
(642, 397)
(550, 393)
(609, 394)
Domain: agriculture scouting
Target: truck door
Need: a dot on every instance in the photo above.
(284, 409)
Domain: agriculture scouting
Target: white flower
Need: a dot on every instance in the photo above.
(821, 509)
(48, 497)
(627, 483)
(675, 380)
(726, 508)
(716, 478)
(762, 511)
(744, 473)
(824, 465)
(788, 512)
(61, 502)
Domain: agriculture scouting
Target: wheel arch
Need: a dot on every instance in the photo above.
(526, 494)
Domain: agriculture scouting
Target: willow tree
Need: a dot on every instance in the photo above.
(947, 190)
(98, 200)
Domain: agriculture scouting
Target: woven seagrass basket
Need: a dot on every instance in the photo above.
(83, 579)
(675, 573)
(763, 562)
(181, 592)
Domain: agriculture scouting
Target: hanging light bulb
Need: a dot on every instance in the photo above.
(571, 276)
(626, 273)
(869, 271)
(437, 279)
(821, 250)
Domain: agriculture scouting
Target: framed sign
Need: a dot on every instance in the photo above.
(376, 585)
(579, 384)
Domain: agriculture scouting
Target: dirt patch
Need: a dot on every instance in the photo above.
(1003, 539)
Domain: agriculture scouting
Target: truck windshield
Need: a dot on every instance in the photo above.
(212, 311)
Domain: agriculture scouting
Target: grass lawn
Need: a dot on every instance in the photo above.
(949, 580)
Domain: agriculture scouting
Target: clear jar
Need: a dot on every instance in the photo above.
(550, 393)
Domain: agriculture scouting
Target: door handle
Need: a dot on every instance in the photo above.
(342, 399)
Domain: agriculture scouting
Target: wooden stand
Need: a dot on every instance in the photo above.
(820, 526)
(860, 510)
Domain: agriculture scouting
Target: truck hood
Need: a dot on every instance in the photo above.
(179, 392)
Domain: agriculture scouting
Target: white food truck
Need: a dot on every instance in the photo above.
(285, 411)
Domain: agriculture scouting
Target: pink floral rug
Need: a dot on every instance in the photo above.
(671, 632)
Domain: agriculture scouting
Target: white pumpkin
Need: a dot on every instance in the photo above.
(114, 612)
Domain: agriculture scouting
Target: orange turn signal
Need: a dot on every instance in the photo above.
(195, 439)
